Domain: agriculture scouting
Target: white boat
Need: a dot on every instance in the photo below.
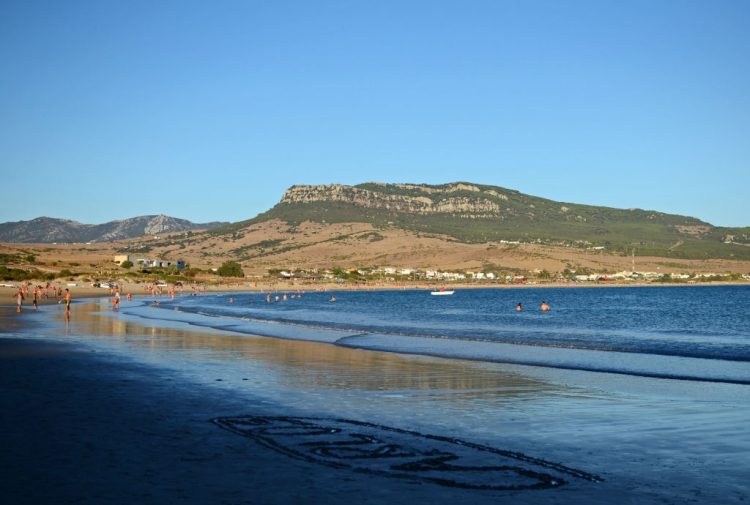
(442, 293)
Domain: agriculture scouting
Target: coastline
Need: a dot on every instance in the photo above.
(115, 409)
(7, 294)
(98, 427)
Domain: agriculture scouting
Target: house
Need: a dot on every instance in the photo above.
(149, 263)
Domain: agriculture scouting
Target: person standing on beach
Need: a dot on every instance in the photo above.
(19, 300)
(68, 297)
(35, 299)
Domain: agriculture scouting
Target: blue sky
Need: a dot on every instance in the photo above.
(210, 110)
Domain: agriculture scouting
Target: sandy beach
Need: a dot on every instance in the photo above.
(108, 409)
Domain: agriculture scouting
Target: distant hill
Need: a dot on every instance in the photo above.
(475, 213)
(48, 230)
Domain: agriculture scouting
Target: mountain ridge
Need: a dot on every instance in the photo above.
(476, 213)
(48, 229)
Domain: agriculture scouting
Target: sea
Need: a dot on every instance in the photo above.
(699, 333)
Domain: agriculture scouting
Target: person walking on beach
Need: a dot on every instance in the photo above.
(19, 300)
(35, 299)
(68, 297)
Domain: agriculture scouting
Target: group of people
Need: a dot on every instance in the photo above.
(283, 298)
(39, 293)
(544, 307)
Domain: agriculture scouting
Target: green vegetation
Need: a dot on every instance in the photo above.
(526, 218)
(6, 258)
(19, 274)
(261, 246)
(231, 269)
(127, 264)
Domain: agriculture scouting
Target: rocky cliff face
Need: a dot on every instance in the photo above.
(411, 198)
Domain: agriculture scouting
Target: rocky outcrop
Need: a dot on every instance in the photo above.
(435, 200)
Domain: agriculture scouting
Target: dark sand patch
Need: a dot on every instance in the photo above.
(85, 427)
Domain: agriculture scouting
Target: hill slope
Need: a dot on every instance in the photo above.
(474, 213)
(48, 230)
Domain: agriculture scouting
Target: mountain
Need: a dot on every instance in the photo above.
(47, 229)
(475, 213)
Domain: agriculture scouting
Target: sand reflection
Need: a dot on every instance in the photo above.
(314, 364)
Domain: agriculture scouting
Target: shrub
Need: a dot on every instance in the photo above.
(126, 264)
(19, 274)
(231, 269)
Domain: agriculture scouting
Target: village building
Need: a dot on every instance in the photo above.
(148, 262)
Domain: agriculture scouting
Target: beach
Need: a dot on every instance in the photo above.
(111, 408)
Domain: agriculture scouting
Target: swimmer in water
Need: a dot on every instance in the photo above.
(518, 308)
(333, 299)
(544, 307)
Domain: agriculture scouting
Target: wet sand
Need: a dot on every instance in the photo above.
(107, 410)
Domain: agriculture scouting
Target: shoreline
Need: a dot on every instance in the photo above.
(168, 445)
(7, 294)
(117, 410)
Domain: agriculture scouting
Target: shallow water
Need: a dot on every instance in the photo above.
(695, 333)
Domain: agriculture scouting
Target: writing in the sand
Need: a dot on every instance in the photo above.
(393, 452)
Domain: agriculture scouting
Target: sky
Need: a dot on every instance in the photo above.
(210, 110)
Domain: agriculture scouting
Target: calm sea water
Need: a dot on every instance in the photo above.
(696, 332)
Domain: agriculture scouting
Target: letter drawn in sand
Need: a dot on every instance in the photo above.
(393, 452)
